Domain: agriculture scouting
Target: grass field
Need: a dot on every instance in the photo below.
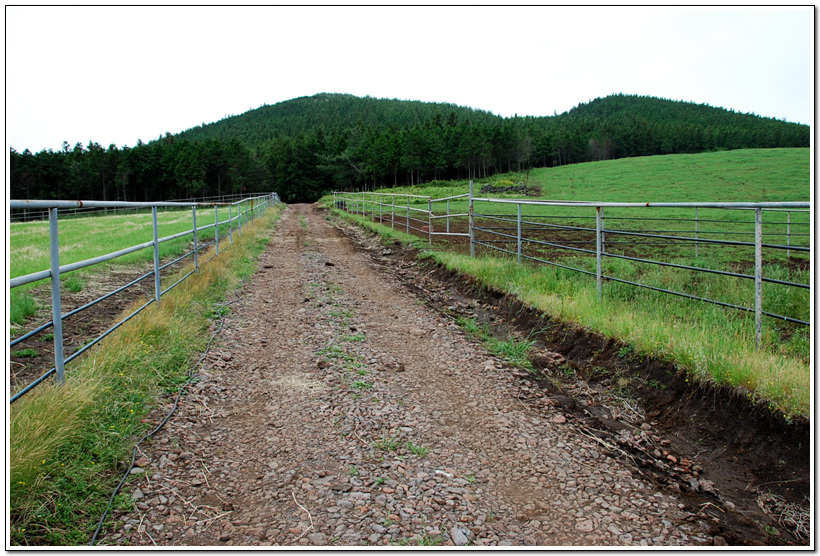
(710, 342)
(82, 238)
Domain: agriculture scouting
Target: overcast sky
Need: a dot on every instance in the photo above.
(118, 74)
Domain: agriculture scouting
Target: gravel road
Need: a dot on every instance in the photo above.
(340, 410)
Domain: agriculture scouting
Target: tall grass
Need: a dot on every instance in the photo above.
(706, 341)
(67, 443)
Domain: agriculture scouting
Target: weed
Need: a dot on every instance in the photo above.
(73, 283)
(624, 351)
(21, 306)
(516, 352)
(426, 540)
(379, 481)
(28, 352)
(331, 352)
(417, 449)
(471, 479)
(387, 444)
(657, 385)
(361, 385)
(596, 372)
(353, 471)
(470, 325)
(358, 337)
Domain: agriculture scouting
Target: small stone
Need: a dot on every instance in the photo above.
(585, 526)
(137, 495)
(672, 459)
(342, 487)
(720, 541)
(137, 471)
(224, 538)
(559, 419)
(458, 536)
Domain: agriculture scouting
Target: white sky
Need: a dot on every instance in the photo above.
(117, 74)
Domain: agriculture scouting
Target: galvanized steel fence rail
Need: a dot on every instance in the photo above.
(240, 213)
(508, 229)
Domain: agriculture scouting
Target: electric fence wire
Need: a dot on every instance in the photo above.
(167, 417)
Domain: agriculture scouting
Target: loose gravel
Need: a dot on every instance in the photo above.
(339, 410)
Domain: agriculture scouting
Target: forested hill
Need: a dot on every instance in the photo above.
(330, 111)
(306, 146)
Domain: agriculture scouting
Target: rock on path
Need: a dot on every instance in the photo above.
(339, 410)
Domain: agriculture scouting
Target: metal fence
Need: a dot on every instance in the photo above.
(240, 213)
(28, 213)
(562, 233)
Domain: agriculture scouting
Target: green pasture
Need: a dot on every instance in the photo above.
(82, 238)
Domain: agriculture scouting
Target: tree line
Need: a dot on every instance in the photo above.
(307, 146)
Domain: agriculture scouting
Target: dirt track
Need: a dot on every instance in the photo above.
(340, 409)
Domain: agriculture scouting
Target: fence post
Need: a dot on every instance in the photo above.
(157, 290)
(239, 214)
(381, 202)
(392, 211)
(788, 233)
(429, 222)
(407, 219)
(603, 234)
(230, 226)
(471, 222)
(598, 248)
(696, 232)
(448, 216)
(196, 243)
(758, 276)
(216, 228)
(519, 233)
(56, 304)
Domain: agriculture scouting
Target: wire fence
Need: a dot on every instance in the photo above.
(240, 214)
(620, 242)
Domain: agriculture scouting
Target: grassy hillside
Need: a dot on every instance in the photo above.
(753, 175)
(749, 175)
